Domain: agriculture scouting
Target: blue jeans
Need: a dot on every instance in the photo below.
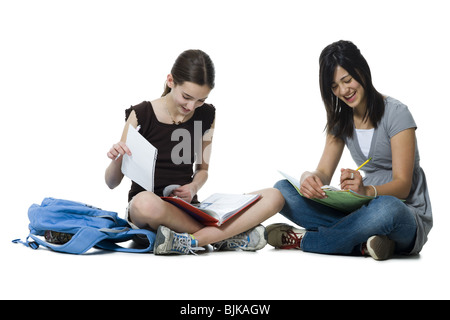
(333, 232)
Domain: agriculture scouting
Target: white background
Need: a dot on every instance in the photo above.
(68, 69)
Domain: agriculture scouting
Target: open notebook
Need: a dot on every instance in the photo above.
(217, 208)
(343, 200)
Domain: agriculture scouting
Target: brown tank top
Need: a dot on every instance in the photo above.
(178, 145)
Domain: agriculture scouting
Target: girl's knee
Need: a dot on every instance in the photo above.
(389, 208)
(146, 206)
(388, 204)
(271, 201)
(276, 199)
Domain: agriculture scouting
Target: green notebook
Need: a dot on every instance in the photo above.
(343, 200)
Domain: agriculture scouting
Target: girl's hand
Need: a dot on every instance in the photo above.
(311, 187)
(118, 148)
(352, 180)
(185, 192)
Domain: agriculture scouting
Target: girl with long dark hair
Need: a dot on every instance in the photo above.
(371, 125)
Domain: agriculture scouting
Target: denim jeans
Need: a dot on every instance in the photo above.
(333, 232)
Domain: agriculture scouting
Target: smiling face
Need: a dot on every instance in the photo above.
(347, 89)
(187, 96)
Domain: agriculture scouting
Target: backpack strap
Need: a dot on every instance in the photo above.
(113, 238)
(88, 237)
(32, 244)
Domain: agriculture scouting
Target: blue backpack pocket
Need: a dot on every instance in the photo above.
(87, 226)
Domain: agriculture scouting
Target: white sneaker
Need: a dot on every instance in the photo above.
(168, 242)
(251, 240)
(380, 247)
(284, 236)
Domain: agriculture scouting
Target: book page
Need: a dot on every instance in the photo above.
(140, 166)
(223, 204)
(295, 182)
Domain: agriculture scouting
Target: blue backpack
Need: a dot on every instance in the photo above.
(87, 226)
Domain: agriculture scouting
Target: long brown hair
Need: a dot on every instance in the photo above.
(339, 114)
(192, 66)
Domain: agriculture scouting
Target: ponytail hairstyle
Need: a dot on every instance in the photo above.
(339, 114)
(192, 66)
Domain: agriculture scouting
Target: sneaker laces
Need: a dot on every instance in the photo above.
(182, 243)
(239, 241)
(290, 239)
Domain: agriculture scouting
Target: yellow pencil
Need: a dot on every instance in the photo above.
(364, 163)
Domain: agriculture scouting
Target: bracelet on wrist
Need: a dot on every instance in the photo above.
(375, 190)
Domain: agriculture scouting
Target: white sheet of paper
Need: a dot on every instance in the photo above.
(140, 166)
(294, 181)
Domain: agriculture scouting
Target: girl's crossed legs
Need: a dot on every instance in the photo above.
(147, 210)
(330, 231)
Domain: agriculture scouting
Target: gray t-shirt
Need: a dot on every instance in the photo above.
(378, 171)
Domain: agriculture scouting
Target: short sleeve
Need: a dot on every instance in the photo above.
(206, 114)
(398, 118)
(143, 114)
